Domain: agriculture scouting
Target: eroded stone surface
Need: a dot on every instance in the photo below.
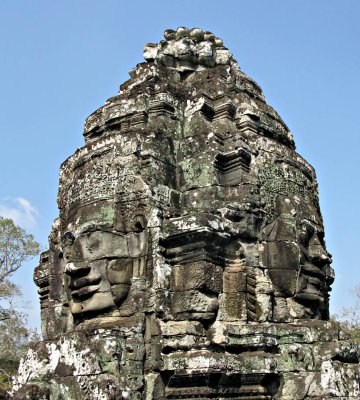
(188, 260)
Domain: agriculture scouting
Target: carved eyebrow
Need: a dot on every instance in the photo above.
(92, 228)
(313, 224)
(315, 228)
(307, 224)
(86, 231)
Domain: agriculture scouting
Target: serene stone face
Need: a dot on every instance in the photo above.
(96, 280)
(100, 263)
(299, 265)
(315, 274)
(293, 240)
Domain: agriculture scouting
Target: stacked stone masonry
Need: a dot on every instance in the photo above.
(188, 260)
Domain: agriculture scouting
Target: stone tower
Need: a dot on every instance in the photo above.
(188, 260)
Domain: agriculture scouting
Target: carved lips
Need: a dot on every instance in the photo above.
(100, 268)
(84, 286)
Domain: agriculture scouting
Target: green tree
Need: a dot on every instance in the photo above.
(15, 337)
(16, 247)
(350, 317)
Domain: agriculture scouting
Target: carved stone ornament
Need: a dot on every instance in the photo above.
(188, 260)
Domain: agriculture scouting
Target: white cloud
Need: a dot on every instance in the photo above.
(20, 210)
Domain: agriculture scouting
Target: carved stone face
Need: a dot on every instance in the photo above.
(316, 275)
(99, 270)
(100, 266)
(295, 253)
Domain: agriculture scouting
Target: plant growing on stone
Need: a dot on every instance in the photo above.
(14, 340)
(16, 247)
(350, 317)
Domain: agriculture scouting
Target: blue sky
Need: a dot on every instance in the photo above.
(61, 60)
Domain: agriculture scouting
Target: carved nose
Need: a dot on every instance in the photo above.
(79, 269)
(319, 256)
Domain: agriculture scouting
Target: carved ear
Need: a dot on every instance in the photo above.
(269, 231)
(67, 242)
(139, 223)
(68, 238)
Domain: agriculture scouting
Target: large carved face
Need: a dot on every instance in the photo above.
(315, 274)
(101, 262)
(295, 254)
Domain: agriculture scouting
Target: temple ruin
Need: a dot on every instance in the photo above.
(188, 260)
